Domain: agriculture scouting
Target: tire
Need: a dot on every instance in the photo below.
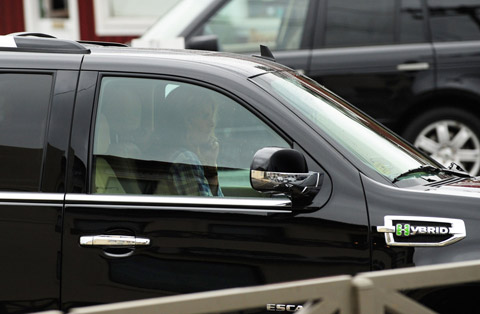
(448, 135)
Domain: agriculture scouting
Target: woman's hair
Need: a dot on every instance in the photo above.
(182, 105)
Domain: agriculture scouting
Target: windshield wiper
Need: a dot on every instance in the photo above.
(430, 170)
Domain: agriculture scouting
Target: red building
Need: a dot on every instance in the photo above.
(11, 16)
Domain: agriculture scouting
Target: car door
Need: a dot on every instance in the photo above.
(241, 26)
(375, 54)
(36, 104)
(132, 228)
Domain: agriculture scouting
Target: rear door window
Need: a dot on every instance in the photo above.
(454, 20)
(373, 22)
(24, 105)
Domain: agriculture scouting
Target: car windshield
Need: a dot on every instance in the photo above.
(372, 144)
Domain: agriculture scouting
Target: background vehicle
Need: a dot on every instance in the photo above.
(85, 218)
(411, 64)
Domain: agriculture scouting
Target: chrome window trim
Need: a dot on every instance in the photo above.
(175, 202)
(42, 204)
(27, 197)
(185, 208)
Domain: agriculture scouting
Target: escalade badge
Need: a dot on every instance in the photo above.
(422, 231)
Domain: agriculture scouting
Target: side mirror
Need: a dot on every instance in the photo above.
(205, 42)
(284, 170)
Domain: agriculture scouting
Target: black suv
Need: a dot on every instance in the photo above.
(411, 64)
(130, 174)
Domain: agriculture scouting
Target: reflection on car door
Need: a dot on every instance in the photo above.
(134, 243)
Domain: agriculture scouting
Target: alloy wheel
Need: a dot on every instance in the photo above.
(450, 141)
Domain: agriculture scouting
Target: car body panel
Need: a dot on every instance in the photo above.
(48, 61)
(441, 201)
(32, 223)
(212, 246)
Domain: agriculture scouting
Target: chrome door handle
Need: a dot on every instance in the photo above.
(413, 66)
(113, 240)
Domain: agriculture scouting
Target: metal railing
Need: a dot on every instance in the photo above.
(380, 290)
(365, 293)
(335, 291)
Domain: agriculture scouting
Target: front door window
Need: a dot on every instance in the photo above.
(164, 137)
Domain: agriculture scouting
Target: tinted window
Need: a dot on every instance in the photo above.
(373, 22)
(24, 103)
(242, 25)
(454, 20)
(170, 138)
(411, 22)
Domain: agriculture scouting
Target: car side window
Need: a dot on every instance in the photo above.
(242, 25)
(454, 20)
(162, 137)
(411, 26)
(373, 22)
(24, 104)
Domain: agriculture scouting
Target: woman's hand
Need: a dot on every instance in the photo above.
(208, 152)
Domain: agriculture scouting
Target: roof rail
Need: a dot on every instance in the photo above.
(39, 42)
(24, 34)
(102, 43)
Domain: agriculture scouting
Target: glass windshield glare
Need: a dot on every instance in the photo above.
(367, 140)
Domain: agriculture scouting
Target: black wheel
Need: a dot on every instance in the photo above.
(448, 135)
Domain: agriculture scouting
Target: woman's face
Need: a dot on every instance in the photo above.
(202, 123)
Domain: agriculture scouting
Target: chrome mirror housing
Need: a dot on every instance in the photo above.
(266, 181)
(284, 170)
